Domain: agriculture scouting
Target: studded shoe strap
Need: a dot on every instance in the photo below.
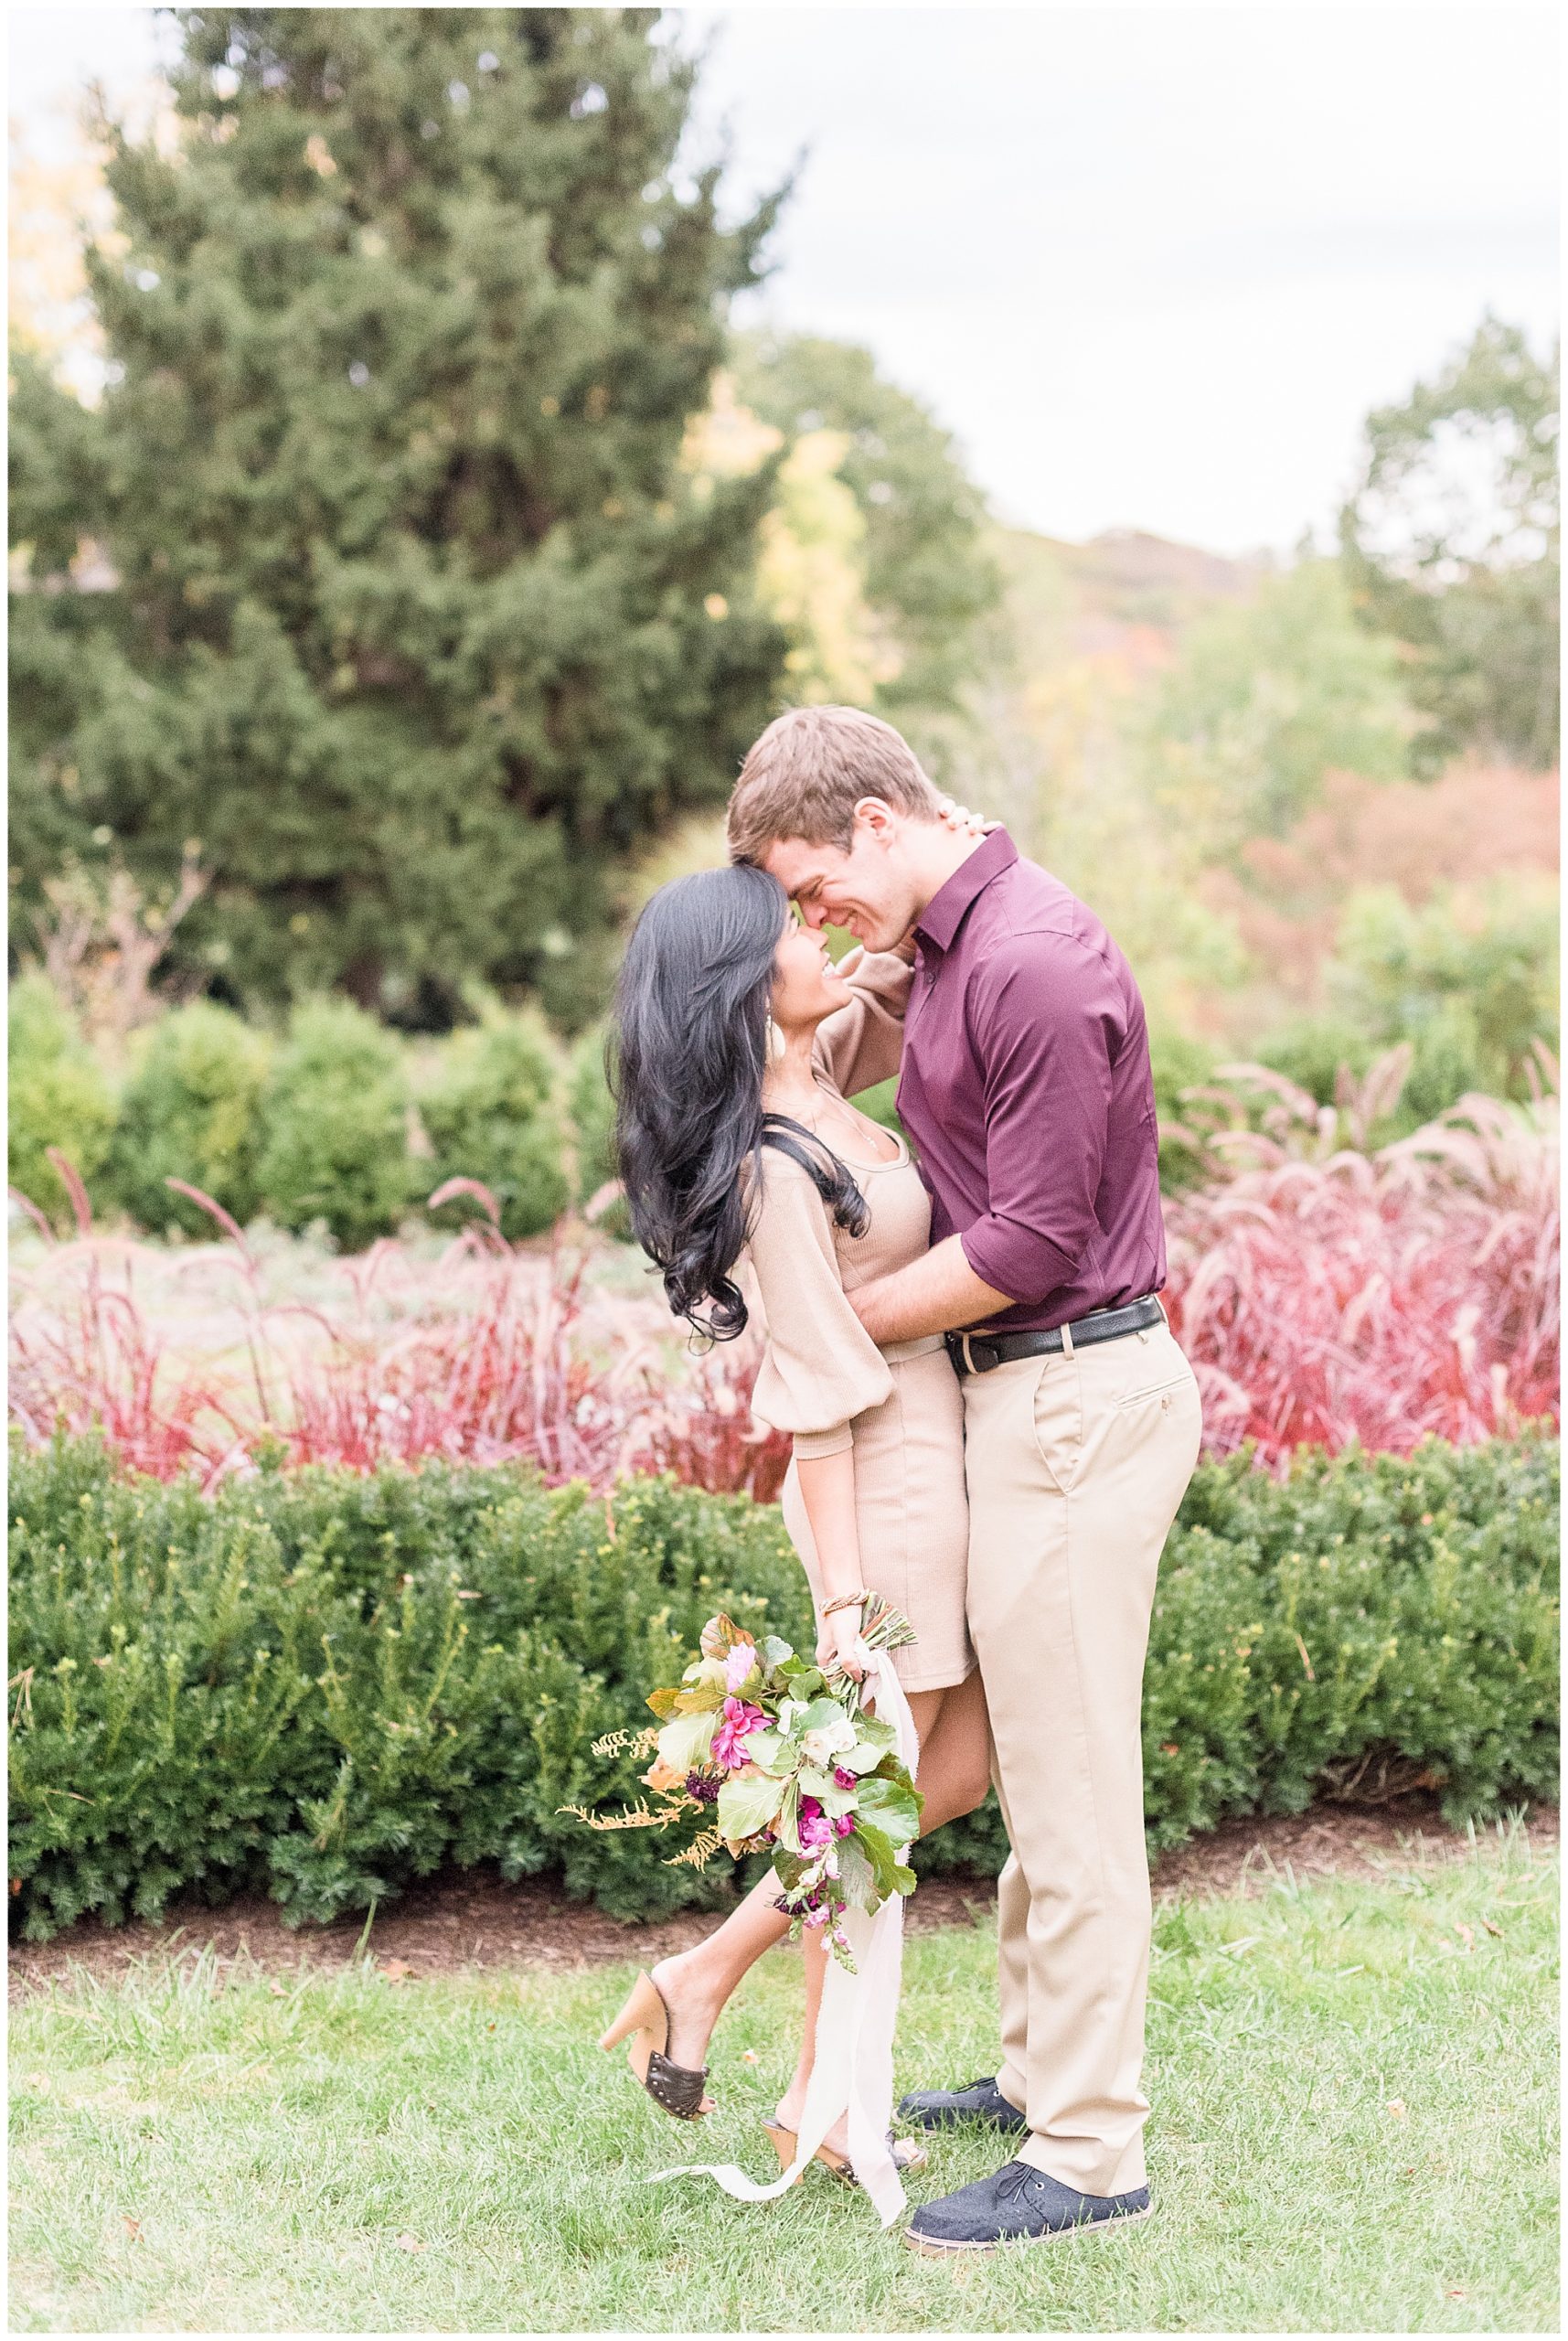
(677, 2087)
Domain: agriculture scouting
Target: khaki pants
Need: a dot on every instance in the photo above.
(1075, 1466)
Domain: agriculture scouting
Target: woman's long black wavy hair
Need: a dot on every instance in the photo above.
(688, 1050)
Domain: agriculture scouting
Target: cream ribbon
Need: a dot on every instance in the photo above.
(853, 2069)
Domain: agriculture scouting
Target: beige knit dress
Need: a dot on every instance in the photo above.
(823, 1377)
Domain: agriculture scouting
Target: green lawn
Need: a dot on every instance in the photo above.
(1354, 2091)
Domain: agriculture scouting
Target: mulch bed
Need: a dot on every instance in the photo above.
(470, 1919)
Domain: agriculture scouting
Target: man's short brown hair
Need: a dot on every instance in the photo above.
(810, 769)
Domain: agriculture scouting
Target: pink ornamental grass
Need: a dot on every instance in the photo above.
(1376, 1297)
(1322, 1293)
(495, 1355)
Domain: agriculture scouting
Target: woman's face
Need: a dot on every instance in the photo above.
(806, 985)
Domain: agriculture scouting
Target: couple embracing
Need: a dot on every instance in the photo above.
(992, 1423)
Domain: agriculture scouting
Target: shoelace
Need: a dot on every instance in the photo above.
(1015, 2180)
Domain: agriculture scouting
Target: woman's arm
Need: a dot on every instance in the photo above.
(828, 1491)
(859, 1045)
(819, 1370)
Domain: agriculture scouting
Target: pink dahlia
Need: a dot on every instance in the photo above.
(736, 1725)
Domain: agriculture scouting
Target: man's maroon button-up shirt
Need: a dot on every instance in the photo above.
(1026, 1086)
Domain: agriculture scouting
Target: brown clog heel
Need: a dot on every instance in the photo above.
(677, 2087)
(906, 2154)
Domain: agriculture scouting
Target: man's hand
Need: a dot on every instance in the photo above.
(935, 1294)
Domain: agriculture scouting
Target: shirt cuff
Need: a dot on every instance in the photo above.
(810, 1446)
(1010, 1259)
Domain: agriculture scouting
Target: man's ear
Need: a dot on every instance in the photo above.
(876, 815)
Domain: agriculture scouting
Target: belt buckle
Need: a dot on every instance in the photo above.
(969, 1365)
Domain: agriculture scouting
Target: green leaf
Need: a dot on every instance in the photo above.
(687, 1741)
(778, 1653)
(663, 1702)
(855, 1876)
(786, 1826)
(872, 1732)
(878, 1850)
(746, 1805)
(890, 1806)
(704, 1699)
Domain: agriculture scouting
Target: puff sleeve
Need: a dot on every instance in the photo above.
(820, 1368)
(859, 1043)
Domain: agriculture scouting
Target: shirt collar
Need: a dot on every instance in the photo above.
(944, 915)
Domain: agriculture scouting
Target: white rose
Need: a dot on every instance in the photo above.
(828, 1740)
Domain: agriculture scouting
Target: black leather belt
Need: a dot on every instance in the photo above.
(978, 1352)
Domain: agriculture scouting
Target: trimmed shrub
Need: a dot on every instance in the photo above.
(60, 1095)
(325, 1684)
(490, 1108)
(191, 1110)
(334, 1144)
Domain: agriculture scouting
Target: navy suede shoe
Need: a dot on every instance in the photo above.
(1018, 2205)
(945, 2108)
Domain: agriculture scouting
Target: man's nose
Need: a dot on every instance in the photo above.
(814, 914)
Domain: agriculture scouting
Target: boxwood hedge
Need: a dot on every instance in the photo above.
(324, 1685)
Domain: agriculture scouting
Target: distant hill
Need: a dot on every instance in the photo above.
(1123, 595)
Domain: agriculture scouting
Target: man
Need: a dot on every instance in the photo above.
(1026, 1086)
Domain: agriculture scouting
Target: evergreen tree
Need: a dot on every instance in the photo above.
(410, 611)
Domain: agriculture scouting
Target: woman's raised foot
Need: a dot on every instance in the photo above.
(693, 2012)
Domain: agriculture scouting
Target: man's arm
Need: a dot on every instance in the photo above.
(1047, 1019)
(935, 1294)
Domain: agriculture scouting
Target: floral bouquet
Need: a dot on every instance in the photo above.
(772, 1756)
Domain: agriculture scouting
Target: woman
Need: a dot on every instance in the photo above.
(738, 1044)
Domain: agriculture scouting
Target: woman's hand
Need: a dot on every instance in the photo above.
(838, 1644)
(959, 818)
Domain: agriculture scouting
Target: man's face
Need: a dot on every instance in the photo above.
(867, 890)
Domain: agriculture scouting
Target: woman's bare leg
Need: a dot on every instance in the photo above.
(696, 1983)
(955, 1751)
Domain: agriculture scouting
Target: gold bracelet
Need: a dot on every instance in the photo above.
(847, 1601)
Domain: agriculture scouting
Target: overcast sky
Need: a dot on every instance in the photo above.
(1151, 265)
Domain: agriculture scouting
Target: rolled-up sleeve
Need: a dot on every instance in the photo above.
(859, 1045)
(820, 1367)
(1047, 1024)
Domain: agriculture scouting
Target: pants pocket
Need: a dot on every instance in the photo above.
(1057, 1410)
(1155, 1391)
